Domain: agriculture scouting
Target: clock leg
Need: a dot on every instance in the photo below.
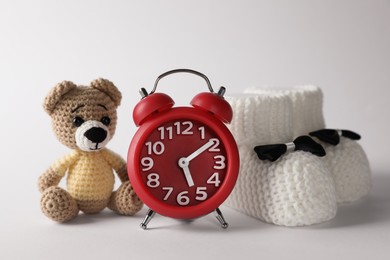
(220, 218)
(149, 215)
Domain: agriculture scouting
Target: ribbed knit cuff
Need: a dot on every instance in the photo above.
(306, 103)
(261, 119)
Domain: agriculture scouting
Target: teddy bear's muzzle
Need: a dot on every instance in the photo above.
(92, 136)
(96, 134)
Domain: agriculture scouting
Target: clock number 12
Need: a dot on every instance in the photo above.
(179, 128)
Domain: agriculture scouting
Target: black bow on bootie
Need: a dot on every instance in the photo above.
(304, 143)
(332, 136)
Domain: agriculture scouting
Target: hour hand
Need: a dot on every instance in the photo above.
(184, 163)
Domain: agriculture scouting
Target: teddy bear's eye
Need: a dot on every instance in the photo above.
(105, 120)
(78, 121)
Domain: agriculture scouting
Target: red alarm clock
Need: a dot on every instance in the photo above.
(183, 162)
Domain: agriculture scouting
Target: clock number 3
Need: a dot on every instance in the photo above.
(220, 162)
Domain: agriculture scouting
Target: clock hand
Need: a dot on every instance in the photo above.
(200, 150)
(183, 163)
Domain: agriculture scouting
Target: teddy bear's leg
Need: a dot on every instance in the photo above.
(58, 205)
(124, 201)
(92, 206)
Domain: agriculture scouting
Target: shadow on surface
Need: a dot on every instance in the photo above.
(208, 223)
(105, 215)
(375, 208)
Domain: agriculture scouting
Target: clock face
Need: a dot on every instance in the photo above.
(182, 162)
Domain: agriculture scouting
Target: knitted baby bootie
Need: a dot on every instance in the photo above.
(350, 169)
(124, 201)
(303, 191)
(297, 189)
(348, 163)
(345, 159)
(58, 205)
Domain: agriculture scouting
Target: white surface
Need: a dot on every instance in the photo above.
(343, 46)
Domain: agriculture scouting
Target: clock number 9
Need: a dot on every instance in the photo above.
(148, 163)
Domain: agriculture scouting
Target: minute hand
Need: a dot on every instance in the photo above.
(200, 150)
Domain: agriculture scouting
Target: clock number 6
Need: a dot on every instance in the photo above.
(182, 199)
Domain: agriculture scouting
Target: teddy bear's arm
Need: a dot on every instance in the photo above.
(117, 163)
(56, 172)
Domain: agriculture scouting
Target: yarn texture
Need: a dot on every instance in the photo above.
(90, 175)
(261, 119)
(346, 161)
(306, 102)
(84, 119)
(350, 169)
(299, 188)
(295, 190)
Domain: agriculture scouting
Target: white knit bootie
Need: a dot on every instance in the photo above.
(295, 190)
(350, 168)
(346, 161)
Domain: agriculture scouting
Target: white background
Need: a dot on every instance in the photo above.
(342, 46)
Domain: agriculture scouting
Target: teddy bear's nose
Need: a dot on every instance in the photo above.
(96, 134)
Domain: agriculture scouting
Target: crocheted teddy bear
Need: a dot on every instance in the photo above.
(84, 119)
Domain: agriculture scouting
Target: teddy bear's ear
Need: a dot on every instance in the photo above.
(56, 94)
(109, 88)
